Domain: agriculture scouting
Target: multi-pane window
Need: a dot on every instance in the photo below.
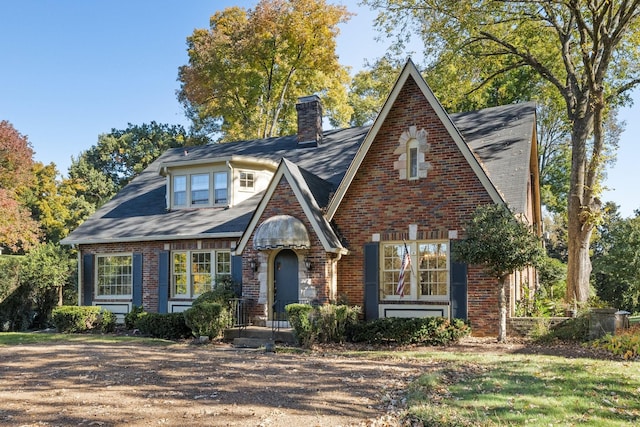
(426, 277)
(180, 190)
(220, 188)
(433, 270)
(195, 189)
(246, 180)
(200, 189)
(114, 275)
(195, 272)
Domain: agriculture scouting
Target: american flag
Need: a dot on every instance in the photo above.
(406, 262)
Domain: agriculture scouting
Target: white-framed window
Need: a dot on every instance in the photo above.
(200, 189)
(247, 181)
(426, 277)
(114, 275)
(195, 189)
(412, 159)
(220, 185)
(180, 190)
(195, 272)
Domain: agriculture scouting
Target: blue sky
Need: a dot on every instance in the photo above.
(72, 70)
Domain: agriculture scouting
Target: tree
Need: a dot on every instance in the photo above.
(247, 70)
(616, 260)
(496, 239)
(122, 154)
(45, 271)
(369, 88)
(18, 231)
(589, 52)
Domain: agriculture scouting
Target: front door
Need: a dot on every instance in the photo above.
(285, 282)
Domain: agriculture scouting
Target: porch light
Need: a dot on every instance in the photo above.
(254, 265)
(308, 264)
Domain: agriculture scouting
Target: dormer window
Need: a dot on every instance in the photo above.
(195, 189)
(246, 181)
(200, 189)
(220, 188)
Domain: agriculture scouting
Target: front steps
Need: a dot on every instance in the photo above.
(257, 337)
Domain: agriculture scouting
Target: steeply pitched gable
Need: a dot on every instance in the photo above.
(411, 72)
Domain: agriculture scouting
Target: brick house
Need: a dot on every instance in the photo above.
(321, 216)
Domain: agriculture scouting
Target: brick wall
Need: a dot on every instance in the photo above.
(150, 268)
(379, 202)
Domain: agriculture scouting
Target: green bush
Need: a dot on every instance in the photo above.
(170, 326)
(573, 329)
(206, 319)
(69, 319)
(323, 324)
(131, 317)
(299, 320)
(417, 330)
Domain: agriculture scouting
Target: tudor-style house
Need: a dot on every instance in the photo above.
(322, 216)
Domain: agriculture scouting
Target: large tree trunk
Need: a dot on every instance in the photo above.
(579, 210)
(502, 308)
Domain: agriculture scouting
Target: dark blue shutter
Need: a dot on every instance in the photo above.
(137, 279)
(87, 279)
(371, 280)
(236, 273)
(458, 281)
(163, 281)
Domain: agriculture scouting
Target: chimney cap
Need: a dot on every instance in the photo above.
(308, 98)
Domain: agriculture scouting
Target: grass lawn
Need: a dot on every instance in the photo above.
(521, 389)
(481, 388)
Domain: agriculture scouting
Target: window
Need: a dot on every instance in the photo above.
(412, 157)
(246, 181)
(114, 275)
(200, 189)
(433, 270)
(180, 190)
(427, 277)
(220, 188)
(195, 272)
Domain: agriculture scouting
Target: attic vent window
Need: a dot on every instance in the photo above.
(411, 150)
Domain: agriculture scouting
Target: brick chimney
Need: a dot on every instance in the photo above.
(309, 111)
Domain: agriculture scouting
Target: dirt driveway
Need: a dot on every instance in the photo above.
(183, 384)
(129, 384)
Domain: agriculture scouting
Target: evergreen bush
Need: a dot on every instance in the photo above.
(416, 330)
(70, 319)
(206, 319)
(170, 326)
(322, 324)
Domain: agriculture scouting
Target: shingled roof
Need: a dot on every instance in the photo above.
(500, 138)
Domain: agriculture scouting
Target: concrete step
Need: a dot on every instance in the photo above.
(256, 337)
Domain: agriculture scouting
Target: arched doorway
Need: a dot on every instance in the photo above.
(285, 282)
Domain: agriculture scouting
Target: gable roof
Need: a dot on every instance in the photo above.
(138, 212)
(313, 194)
(410, 71)
(502, 139)
(497, 143)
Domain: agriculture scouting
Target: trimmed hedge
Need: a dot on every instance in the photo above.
(403, 331)
(70, 318)
(321, 324)
(169, 326)
(206, 319)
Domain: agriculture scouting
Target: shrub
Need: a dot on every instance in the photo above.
(298, 315)
(206, 319)
(573, 329)
(131, 317)
(170, 326)
(15, 297)
(224, 290)
(625, 344)
(69, 319)
(418, 330)
(324, 324)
